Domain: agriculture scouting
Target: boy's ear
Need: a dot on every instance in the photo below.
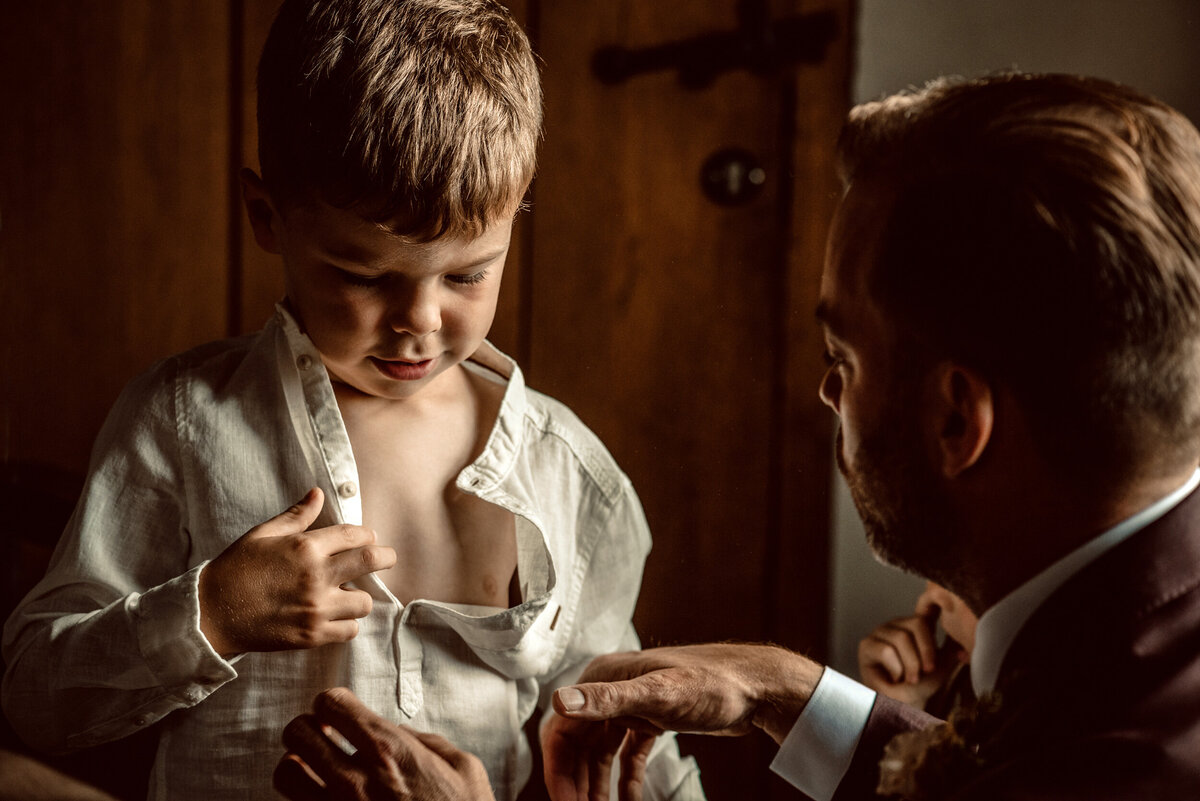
(964, 411)
(265, 219)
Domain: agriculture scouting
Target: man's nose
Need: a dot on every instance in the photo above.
(830, 390)
(415, 310)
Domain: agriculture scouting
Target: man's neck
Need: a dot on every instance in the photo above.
(1020, 541)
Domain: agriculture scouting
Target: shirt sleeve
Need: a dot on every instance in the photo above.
(817, 751)
(109, 641)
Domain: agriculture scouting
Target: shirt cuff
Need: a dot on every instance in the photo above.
(817, 751)
(167, 619)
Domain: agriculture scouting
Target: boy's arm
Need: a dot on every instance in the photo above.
(603, 624)
(109, 641)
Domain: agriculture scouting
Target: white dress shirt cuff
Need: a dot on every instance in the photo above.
(817, 751)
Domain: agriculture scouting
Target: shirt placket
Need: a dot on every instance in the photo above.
(410, 684)
(338, 457)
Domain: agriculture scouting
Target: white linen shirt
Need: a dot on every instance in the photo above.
(208, 444)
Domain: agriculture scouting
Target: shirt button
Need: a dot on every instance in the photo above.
(304, 361)
(140, 720)
(348, 489)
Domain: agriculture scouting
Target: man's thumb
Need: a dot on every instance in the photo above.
(594, 701)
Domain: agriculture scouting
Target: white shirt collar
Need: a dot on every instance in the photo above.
(999, 625)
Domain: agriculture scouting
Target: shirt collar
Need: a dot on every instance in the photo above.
(998, 626)
(505, 440)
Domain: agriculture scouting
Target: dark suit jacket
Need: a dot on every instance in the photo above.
(1100, 689)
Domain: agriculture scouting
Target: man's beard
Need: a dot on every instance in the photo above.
(908, 521)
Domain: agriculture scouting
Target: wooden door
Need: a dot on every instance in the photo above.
(682, 330)
(679, 329)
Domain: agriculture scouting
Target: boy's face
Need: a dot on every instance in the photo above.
(389, 317)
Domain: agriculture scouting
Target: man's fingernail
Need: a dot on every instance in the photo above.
(571, 699)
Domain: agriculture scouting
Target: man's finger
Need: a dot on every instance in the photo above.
(903, 643)
(295, 519)
(340, 708)
(600, 763)
(635, 754)
(924, 634)
(304, 738)
(886, 661)
(293, 779)
(443, 748)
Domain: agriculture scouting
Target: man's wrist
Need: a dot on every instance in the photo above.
(786, 681)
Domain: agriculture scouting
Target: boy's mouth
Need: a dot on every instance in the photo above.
(401, 370)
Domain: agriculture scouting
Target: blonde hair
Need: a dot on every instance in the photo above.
(424, 115)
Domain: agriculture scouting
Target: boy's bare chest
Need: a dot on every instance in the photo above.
(450, 546)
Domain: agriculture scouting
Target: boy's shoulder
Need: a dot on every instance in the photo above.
(212, 363)
(550, 429)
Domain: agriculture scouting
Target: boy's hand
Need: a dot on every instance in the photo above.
(280, 586)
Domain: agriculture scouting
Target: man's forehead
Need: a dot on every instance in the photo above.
(854, 245)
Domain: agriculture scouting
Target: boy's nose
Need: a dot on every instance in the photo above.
(416, 312)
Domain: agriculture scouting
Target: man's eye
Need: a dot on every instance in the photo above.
(831, 359)
(468, 280)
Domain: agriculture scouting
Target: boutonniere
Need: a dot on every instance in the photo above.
(928, 765)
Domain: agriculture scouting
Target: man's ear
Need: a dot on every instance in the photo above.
(265, 219)
(964, 413)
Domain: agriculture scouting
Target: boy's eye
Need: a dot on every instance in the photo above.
(357, 279)
(468, 280)
(831, 359)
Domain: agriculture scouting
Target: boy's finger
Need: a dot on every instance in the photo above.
(296, 518)
(347, 603)
(340, 630)
(357, 562)
(342, 537)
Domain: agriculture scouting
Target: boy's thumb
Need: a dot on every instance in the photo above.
(297, 517)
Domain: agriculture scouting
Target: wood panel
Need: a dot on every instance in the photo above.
(683, 332)
(257, 274)
(113, 252)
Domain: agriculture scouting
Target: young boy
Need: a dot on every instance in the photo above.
(462, 545)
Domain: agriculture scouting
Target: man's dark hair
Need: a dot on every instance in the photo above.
(1045, 230)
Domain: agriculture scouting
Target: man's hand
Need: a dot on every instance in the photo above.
(280, 586)
(391, 763)
(577, 758)
(723, 689)
(900, 659)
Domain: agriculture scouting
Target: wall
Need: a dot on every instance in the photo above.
(1149, 44)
